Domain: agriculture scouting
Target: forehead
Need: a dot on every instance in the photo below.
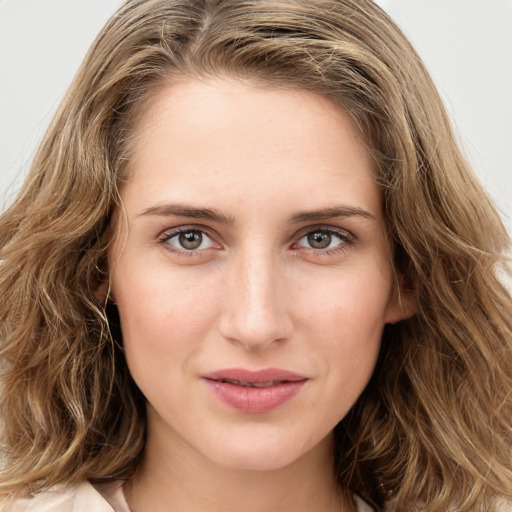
(200, 104)
(220, 133)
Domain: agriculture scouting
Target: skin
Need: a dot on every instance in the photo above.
(280, 170)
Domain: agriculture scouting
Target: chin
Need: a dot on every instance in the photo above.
(263, 453)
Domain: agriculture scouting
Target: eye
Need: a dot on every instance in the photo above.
(325, 239)
(187, 240)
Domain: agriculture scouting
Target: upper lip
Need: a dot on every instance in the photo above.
(244, 375)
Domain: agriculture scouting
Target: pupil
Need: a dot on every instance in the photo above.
(319, 240)
(190, 240)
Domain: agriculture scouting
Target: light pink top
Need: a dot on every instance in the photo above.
(88, 498)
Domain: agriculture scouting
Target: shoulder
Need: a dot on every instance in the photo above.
(83, 497)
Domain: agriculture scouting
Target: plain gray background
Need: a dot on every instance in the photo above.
(466, 44)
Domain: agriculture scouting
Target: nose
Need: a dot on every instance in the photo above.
(255, 313)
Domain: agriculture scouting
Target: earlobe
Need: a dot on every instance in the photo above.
(103, 293)
(101, 286)
(405, 306)
(403, 303)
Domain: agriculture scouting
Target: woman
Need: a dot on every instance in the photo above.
(250, 270)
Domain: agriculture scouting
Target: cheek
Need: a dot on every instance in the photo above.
(354, 300)
(159, 298)
(163, 318)
(345, 320)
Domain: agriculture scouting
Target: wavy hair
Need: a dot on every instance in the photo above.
(432, 431)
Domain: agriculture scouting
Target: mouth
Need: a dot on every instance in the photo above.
(246, 384)
(255, 392)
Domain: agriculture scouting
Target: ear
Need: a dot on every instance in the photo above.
(102, 292)
(101, 284)
(403, 303)
(102, 287)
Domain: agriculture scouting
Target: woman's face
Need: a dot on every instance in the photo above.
(252, 275)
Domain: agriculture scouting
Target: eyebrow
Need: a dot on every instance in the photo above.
(212, 214)
(331, 213)
(179, 210)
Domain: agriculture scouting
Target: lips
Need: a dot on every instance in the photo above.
(255, 392)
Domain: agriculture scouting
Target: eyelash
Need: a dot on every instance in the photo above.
(345, 237)
(169, 235)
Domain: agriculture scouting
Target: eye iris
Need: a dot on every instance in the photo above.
(190, 240)
(319, 240)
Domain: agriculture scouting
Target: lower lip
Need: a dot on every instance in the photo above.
(255, 400)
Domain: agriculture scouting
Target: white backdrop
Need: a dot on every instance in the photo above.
(467, 45)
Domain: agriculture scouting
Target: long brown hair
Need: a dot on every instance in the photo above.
(433, 428)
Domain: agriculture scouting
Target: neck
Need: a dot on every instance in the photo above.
(172, 476)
